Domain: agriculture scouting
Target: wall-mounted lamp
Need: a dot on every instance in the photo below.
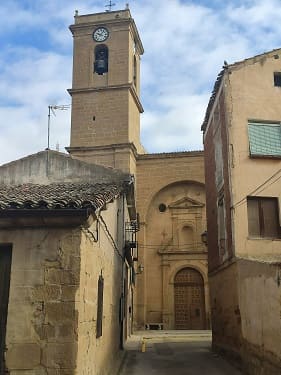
(204, 238)
(140, 269)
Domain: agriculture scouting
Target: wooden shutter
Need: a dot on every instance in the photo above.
(253, 217)
(263, 217)
(269, 209)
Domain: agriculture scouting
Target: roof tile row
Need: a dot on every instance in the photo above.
(57, 196)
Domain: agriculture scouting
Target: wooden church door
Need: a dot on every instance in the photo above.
(5, 272)
(189, 300)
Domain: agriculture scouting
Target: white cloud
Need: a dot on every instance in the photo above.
(185, 44)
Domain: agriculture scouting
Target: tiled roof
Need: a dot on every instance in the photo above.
(212, 99)
(170, 154)
(57, 196)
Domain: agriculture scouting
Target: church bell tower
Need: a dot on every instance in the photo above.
(106, 107)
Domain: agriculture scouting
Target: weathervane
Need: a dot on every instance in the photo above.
(53, 108)
(109, 6)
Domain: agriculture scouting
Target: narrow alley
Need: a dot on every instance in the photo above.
(174, 352)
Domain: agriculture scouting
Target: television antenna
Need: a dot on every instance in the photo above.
(52, 109)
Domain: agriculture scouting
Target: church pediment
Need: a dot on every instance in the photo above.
(186, 203)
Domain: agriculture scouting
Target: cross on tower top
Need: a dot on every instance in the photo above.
(109, 6)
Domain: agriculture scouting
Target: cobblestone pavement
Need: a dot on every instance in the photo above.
(174, 353)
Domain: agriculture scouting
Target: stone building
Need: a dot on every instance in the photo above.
(65, 280)
(172, 292)
(62, 223)
(242, 145)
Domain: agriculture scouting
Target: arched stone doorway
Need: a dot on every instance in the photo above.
(189, 300)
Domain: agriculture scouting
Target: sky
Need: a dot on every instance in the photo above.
(185, 42)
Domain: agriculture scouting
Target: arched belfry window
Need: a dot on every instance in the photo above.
(101, 59)
(135, 71)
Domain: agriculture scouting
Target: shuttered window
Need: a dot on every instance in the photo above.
(100, 307)
(263, 217)
(264, 139)
(277, 79)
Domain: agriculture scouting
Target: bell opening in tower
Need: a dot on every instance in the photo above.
(101, 59)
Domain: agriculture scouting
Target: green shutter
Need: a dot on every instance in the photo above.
(264, 139)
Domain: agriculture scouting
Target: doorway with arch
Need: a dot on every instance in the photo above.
(189, 300)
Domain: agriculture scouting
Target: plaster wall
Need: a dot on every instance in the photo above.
(245, 295)
(226, 315)
(260, 305)
(252, 95)
(47, 167)
(100, 356)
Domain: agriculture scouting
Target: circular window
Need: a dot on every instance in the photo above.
(162, 207)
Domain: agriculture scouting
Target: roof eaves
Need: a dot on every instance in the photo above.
(213, 98)
(58, 196)
(255, 57)
(219, 79)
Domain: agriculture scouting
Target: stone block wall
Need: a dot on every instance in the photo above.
(166, 178)
(52, 312)
(42, 320)
(260, 304)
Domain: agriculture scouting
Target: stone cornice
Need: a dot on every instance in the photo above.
(114, 146)
(127, 86)
(166, 155)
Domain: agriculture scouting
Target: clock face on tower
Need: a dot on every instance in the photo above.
(100, 34)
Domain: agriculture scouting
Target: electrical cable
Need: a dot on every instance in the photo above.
(259, 187)
(104, 225)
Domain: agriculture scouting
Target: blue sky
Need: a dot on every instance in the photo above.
(185, 45)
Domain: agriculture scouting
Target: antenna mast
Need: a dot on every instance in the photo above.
(53, 108)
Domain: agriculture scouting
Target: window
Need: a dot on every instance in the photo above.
(135, 71)
(264, 139)
(277, 79)
(263, 217)
(100, 307)
(162, 207)
(218, 158)
(101, 59)
(221, 226)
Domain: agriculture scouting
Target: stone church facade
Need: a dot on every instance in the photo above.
(172, 291)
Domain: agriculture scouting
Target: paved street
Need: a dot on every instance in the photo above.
(174, 353)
